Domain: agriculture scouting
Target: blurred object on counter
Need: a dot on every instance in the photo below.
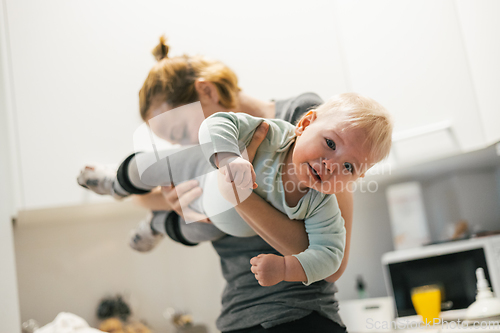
(112, 325)
(183, 322)
(486, 306)
(486, 233)
(455, 231)
(113, 307)
(29, 326)
(461, 230)
(115, 315)
(193, 329)
(115, 325)
(68, 323)
(427, 302)
(368, 315)
(361, 287)
(408, 221)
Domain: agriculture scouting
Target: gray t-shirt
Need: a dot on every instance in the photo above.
(244, 302)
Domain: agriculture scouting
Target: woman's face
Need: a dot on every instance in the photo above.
(178, 125)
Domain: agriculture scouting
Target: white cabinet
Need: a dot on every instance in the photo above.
(77, 67)
(10, 319)
(481, 36)
(75, 95)
(410, 56)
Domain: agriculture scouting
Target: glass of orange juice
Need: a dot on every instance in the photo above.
(427, 302)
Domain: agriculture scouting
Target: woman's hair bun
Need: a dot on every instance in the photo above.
(161, 50)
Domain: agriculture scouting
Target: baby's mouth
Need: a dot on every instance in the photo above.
(314, 173)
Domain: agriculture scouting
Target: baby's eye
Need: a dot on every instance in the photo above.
(331, 144)
(348, 167)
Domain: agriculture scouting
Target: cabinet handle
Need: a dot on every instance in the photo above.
(424, 130)
(416, 132)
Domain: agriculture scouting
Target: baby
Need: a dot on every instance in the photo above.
(296, 169)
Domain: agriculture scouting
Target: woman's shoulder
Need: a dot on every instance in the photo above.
(293, 108)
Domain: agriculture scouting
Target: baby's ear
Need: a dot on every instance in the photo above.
(304, 122)
(298, 130)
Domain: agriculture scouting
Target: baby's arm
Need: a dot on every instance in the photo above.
(345, 201)
(270, 269)
(327, 237)
(326, 232)
(223, 138)
(226, 134)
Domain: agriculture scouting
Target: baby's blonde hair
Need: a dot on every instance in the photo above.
(366, 114)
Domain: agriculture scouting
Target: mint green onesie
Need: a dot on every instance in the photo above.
(231, 133)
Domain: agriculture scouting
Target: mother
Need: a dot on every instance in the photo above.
(246, 306)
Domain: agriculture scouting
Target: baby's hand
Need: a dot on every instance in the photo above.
(269, 269)
(239, 171)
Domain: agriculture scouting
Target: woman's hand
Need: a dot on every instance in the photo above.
(258, 137)
(179, 197)
(170, 198)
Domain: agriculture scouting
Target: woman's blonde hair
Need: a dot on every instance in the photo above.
(360, 112)
(172, 80)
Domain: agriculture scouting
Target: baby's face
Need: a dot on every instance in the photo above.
(327, 157)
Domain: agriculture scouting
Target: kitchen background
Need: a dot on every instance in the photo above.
(71, 72)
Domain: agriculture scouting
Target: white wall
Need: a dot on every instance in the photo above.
(371, 237)
(9, 305)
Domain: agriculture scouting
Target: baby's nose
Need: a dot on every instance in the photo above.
(330, 166)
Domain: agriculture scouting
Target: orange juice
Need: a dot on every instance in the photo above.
(427, 302)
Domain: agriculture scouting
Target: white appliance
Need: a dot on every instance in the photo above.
(367, 315)
(451, 266)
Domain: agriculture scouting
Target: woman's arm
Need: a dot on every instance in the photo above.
(270, 269)
(174, 198)
(153, 200)
(289, 236)
(284, 235)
